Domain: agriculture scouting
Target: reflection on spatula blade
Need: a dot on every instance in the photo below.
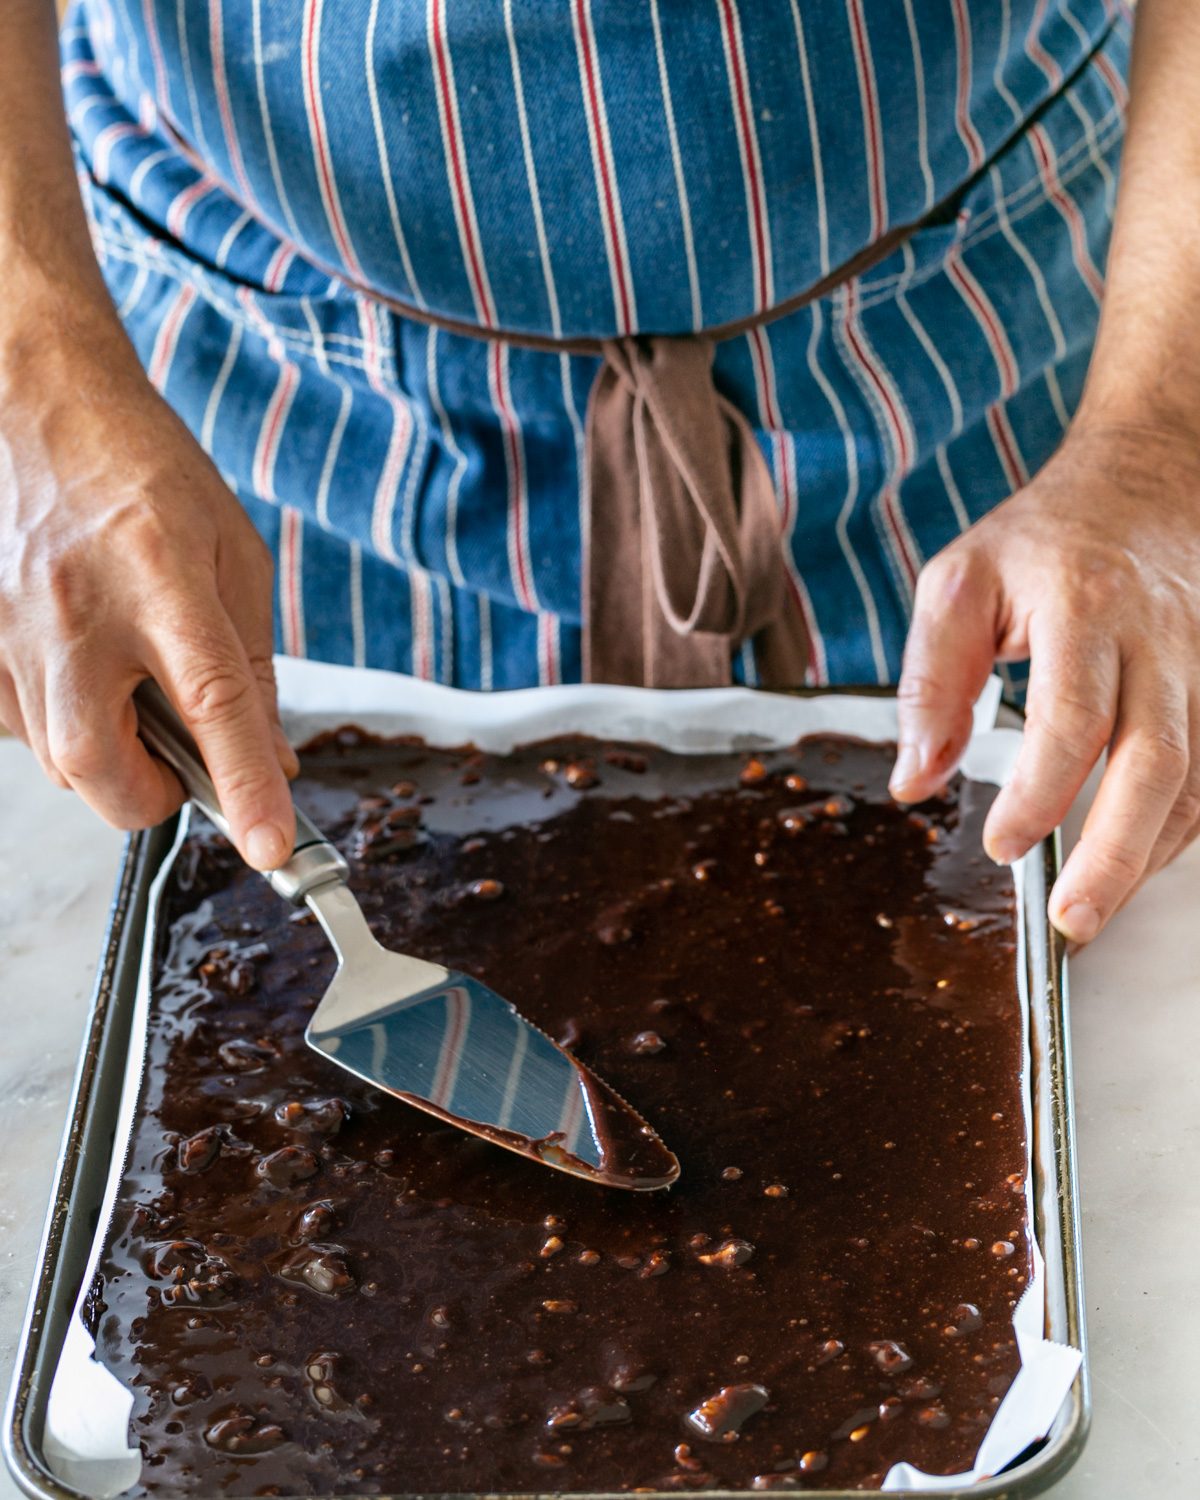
(451, 1046)
(434, 1038)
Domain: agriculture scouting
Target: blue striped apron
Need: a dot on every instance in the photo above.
(366, 251)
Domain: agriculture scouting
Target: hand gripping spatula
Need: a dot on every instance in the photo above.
(432, 1037)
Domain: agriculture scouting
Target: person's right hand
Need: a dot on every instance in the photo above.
(124, 556)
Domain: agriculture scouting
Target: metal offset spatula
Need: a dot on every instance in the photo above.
(433, 1037)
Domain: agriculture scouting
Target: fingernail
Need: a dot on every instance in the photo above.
(266, 848)
(1079, 923)
(908, 763)
(1003, 851)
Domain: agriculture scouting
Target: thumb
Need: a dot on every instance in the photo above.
(950, 650)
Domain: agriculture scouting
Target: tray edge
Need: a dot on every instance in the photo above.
(124, 932)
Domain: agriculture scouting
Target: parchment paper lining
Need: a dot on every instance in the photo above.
(86, 1438)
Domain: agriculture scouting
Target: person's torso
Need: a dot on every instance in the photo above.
(580, 167)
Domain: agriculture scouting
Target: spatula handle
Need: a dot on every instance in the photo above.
(313, 862)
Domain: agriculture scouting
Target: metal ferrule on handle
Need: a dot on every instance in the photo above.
(314, 861)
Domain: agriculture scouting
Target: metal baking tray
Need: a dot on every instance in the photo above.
(88, 1140)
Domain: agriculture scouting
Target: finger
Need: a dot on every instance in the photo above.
(1177, 832)
(1147, 766)
(203, 667)
(248, 604)
(1166, 850)
(1160, 860)
(1151, 869)
(1184, 818)
(950, 651)
(30, 694)
(263, 667)
(91, 731)
(11, 716)
(1070, 711)
(289, 761)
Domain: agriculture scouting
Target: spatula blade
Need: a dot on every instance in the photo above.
(461, 1052)
(434, 1038)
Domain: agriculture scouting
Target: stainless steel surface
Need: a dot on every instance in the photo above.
(437, 1039)
(84, 1162)
(453, 1047)
(314, 864)
(82, 1167)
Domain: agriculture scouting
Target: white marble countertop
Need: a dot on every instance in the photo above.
(1137, 1054)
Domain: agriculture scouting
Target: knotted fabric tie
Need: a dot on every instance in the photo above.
(683, 553)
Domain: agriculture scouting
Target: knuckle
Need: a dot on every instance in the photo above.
(1077, 721)
(1116, 863)
(37, 742)
(68, 593)
(264, 680)
(1054, 734)
(919, 690)
(1187, 836)
(1178, 829)
(77, 753)
(1186, 812)
(246, 784)
(147, 536)
(1159, 765)
(1100, 583)
(145, 528)
(948, 578)
(1170, 736)
(213, 693)
(1174, 833)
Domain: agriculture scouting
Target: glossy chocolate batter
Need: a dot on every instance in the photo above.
(809, 991)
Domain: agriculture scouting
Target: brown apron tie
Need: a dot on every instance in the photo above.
(683, 556)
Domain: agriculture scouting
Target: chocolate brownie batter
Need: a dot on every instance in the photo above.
(809, 991)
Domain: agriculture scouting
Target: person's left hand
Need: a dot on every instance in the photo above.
(1092, 571)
